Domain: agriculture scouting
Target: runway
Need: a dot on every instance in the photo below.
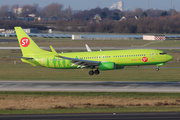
(89, 86)
(97, 116)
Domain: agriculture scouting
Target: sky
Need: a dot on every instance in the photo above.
(90, 4)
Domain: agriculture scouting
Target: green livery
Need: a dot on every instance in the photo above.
(98, 60)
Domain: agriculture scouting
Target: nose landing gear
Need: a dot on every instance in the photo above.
(157, 69)
(96, 72)
(158, 65)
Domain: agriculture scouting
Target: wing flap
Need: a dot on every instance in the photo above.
(75, 61)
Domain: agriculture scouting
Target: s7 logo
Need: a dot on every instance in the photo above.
(25, 42)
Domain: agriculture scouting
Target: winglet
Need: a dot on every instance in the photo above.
(54, 51)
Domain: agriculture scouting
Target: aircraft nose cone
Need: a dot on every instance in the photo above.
(169, 57)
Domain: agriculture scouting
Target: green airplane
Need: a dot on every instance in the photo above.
(98, 60)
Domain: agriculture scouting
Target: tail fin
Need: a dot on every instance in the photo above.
(28, 46)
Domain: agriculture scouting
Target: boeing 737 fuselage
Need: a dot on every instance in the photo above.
(98, 60)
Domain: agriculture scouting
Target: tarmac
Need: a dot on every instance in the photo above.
(90, 86)
(96, 116)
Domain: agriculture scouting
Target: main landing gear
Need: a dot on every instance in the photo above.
(96, 72)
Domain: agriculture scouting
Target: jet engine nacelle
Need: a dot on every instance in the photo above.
(107, 66)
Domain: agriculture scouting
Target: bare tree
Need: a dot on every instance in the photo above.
(36, 8)
(53, 10)
(4, 10)
(14, 10)
(29, 9)
(69, 12)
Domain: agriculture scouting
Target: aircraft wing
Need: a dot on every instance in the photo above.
(81, 63)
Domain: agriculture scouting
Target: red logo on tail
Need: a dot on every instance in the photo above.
(25, 42)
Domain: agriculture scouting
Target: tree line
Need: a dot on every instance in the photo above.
(51, 10)
(135, 21)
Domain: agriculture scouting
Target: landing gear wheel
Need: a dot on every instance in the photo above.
(97, 72)
(91, 72)
(157, 69)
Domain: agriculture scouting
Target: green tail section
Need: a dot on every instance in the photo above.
(28, 46)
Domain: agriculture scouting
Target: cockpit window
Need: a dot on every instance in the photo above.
(162, 53)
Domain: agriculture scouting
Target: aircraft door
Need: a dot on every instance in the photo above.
(43, 60)
(153, 55)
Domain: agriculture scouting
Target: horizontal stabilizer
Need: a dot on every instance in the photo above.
(54, 52)
(21, 57)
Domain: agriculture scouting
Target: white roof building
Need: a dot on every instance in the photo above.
(17, 10)
(154, 37)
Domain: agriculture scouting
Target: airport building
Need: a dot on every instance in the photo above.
(76, 37)
(32, 30)
(154, 37)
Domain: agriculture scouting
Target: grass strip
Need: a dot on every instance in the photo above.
(93, 94)
(87, 102)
